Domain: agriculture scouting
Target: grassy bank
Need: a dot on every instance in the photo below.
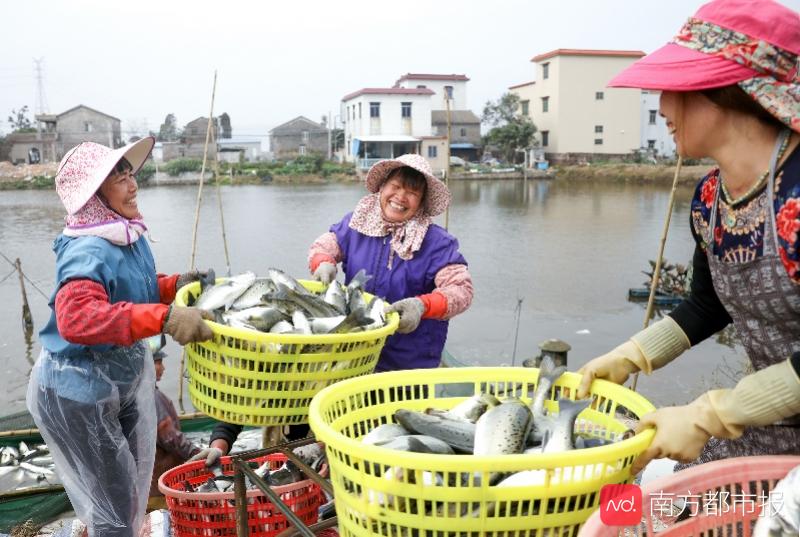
(310, 170)
(638, 173)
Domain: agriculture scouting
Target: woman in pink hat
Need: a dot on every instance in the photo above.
(414, 263)
(730, 91)
(91, 390)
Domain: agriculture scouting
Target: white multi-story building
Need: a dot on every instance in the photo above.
(385, 122)
(655, 135)
(577, 116)
(442, 85)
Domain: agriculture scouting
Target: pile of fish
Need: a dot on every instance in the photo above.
(313, 455)
(23, 467)
(279, 304)
(485, 425)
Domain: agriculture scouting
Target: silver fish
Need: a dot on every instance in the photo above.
(559, 431)
(300, 322)
(224, 294)
(418, 443)
(384, 433)
(358, 281)
(323, 325)
(355, 300)
(311, 304)
(36, 469)
(9, 456)
(260, 317)
(282, 327)
(376, 310)
(503, 429)
(781, 514)
(254, 294)
(355, 319)
(288, 473)
(548, 374)
(335, 296)
(281, 278)
(470, 409)
(459, 434)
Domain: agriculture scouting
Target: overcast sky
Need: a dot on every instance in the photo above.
(140, 60)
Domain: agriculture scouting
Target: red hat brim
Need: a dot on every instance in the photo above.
(677, 68)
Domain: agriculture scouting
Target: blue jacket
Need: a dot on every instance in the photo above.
(127, 273)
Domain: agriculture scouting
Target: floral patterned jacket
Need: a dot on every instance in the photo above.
(738, 237)
(739, 229)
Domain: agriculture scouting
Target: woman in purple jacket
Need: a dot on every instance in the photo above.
(415, 264)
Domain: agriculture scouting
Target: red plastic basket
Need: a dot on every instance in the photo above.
(722, 497)
(214, 513)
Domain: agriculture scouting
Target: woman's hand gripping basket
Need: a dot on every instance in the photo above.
(383, 492)
(262, 379)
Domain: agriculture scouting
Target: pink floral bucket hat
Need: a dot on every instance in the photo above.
(752, 43)
(437, 196)
(84, 168)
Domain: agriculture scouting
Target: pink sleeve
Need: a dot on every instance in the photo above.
(455, 283)
(325, 248)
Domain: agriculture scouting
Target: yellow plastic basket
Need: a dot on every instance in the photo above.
(254, 378)
(395, 493)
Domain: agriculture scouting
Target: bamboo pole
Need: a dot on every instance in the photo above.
(221, 215)
(202, 174)
(196, 221)
(657, 270)
(447, 166)
(27, 318)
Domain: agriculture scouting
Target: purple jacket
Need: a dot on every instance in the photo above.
(423, 347)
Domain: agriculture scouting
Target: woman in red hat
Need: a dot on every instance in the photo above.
(91, 390)
(730, 91)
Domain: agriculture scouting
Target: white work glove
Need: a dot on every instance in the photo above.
(761, 398)
(648, 350)
(411, 311)
(325, 273)
(210, 454)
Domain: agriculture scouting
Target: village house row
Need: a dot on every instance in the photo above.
(578, 119)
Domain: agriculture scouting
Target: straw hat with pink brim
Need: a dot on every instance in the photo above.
(752, 43)
(437, 195)
(84, 168)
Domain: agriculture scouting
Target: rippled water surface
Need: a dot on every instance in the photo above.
(568, 250)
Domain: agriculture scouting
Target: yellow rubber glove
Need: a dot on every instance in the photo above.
(681, 432)
(762, 398)
(615, 366)
(648, 350)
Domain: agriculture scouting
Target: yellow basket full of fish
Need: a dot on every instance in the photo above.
(518, 457)
(277, 342)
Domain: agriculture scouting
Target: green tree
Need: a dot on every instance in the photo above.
(168, 132)
(19, 121)
(511, 131)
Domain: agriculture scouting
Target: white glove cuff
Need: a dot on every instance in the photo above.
(661, 342)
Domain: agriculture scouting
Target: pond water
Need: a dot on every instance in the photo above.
(568, 251)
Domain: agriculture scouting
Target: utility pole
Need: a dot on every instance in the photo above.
(330, 141)
(41, 100)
